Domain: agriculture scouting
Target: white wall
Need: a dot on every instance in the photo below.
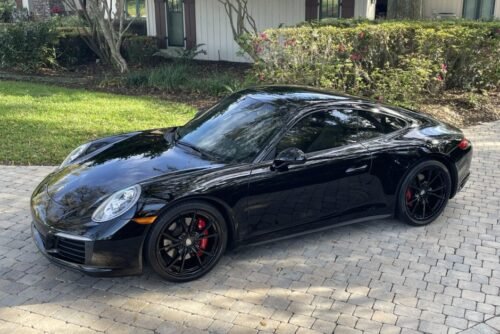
(150, 18)
(364, 9)
(443, 6)
(451, 6)
(213, 28)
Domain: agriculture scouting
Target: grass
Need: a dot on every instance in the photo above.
(132, 10)
(41, 124)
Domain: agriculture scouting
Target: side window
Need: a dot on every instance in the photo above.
(371, 124)
(320, 131)
(324, 130)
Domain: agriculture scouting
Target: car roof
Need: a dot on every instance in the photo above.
(303, 97)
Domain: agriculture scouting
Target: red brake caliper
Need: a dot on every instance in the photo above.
(202, 224)
(409, 196)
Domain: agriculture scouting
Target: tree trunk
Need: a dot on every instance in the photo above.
(118, 61)
(104, 28)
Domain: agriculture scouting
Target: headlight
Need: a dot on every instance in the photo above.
(75, 154)
(117, 204)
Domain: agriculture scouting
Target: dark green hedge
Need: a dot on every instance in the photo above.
(72, 50)
(29, 46)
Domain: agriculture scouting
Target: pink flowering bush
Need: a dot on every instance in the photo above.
(56, 10)
(394, 61)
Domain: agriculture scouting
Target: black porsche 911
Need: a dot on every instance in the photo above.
(263, 164)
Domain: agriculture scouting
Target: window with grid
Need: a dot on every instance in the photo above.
(136, 8)
(478, 9)
(329, 9)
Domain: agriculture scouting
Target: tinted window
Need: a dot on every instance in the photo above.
(235, 130)
(330, 129)
(320, 131)
(373, 124)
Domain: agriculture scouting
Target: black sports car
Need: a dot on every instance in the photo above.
(262, 164)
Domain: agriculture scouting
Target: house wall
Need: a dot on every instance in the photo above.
(430, 7)
(213, 28)
(364, 9)
(150, 18)
(450, 6)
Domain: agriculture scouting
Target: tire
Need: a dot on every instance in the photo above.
(424, 193)
(180, 251)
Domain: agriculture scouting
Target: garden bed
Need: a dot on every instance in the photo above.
(455, 107)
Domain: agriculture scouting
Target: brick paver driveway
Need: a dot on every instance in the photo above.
(381, 276)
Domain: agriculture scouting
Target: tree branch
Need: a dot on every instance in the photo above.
(239, 17)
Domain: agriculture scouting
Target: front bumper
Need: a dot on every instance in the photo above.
(93, 257)
(463, 165)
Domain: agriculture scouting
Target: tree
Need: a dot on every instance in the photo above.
(103, 28)
(242, 24)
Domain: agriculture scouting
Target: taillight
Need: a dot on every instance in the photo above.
(464, 144)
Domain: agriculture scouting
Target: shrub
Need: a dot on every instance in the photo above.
(140, 49)
(7, 8)
(169, 77)
(28, 46)
(394, 61)
(72, 49)
(137, 78)
(137, 27)
(186, 77)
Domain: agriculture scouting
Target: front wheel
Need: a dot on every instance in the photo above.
(187, 242)
(424, 193)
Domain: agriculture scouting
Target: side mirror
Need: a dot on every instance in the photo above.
(290, 156)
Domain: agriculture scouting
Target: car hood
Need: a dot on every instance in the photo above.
(137, 158)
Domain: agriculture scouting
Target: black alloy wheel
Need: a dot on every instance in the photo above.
(187, 242)
(424, 193)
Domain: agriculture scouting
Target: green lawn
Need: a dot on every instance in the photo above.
(41, 124)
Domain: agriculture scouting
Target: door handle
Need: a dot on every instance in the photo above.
(356, 169)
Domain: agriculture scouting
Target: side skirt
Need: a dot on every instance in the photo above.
(300, 231)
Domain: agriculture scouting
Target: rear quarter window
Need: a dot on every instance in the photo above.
(372, 124)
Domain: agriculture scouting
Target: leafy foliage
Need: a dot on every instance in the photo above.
(398, 62)
(7, 8)
(72, 50)
(28, 46)
(139, 49)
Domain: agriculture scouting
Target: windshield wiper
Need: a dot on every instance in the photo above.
(201, 152)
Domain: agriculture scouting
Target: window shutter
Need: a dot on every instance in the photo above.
(312, 10)
(161, 23)
(190, 19)
(347, 9)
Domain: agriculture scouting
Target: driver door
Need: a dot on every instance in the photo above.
(330, 185)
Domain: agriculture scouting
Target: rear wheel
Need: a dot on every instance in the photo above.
(424, 193)
(187, 242)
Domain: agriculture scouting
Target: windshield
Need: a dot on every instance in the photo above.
(235, 130)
